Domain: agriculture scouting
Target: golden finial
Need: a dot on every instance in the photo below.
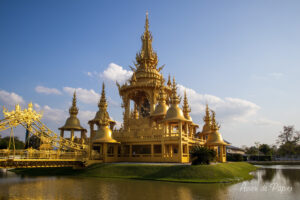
(169, 81)
(103, 89)
(162, 95)
(73, 109)
(146, 58)
(174, 98)
(30, 106)
(214, 124)
(147, 23)
(186, 108)
(207, 118)
(102, 102)
(74, 99)
(18, 107)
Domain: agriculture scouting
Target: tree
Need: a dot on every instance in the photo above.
(34, 142)
(251, 150)
(202, 155)
(4, 143)
(265, 149)
(287, 149)
(289, 134)
(288, 140)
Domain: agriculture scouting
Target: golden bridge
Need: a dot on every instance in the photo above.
(60, 152)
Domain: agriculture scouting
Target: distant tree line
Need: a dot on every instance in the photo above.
(287, 145)
(32, 141)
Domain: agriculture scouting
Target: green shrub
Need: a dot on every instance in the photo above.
(234, 157)
(202, 155)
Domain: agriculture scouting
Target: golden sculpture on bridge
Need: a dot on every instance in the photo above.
(154, 129)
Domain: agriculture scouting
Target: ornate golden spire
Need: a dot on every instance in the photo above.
(102, 103)
(214, 125)
(162, 94)
(207, 116)
(146, 58)
(73, 109)
(207, 125)
(174, 98)
(186, 108)
(169, 81)
(102, 114)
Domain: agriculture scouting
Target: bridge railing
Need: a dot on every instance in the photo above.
(41, 154)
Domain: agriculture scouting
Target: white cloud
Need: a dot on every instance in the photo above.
(93, 74)
(11, 98)
(58, 117)
(266, 122)
(84, 95)
(226, 109)
(45, 90)
(89, 96)
(53, 115)
(276, 75)
(84, 116)
(115, 73)
(269, 76)
(89, 74)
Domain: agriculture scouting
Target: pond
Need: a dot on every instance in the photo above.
(269, 182)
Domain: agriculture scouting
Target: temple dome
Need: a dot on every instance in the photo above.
(103, 135)
(160, 110)
(174, 113)
(72, 123)
(206, 128)
(215, 138)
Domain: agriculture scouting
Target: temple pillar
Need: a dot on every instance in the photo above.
(180, 128)
(221, 154)
(116, 151)
(104, 152)
(180, 142)
(127, 112)
(186, 130)
(81, 136)
(61, 133)
(90, 142)
(130, 151)
(152, 150)
(72, 135)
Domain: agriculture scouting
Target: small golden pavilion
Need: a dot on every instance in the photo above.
(155, 128)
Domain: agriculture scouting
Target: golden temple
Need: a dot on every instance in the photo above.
(155, 128)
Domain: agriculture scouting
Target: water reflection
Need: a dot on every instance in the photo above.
(268, 175)
(14, 187)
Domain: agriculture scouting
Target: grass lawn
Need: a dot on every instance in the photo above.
(221, 172)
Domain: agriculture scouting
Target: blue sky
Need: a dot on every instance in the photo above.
(241, 57)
